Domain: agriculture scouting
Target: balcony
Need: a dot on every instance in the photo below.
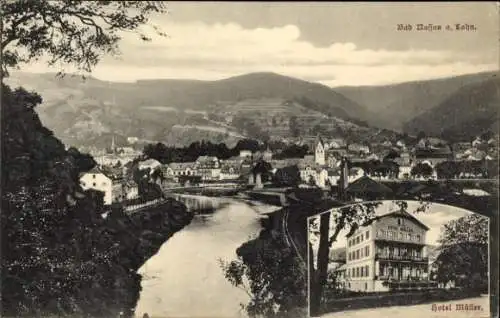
(407, 258)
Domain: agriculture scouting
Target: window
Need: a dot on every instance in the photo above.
(361, 253)
(418, 237)
(357, 271)
(367, 270)
(357, 254)
(93, 184)
(362, 272)
(408, 236)
(367, 250)
(399, 222)
(367, 234)
(400, 235)
(93, 176)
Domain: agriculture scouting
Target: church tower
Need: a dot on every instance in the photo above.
(319, 153)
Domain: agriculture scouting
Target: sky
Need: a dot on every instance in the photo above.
(336, 44)
(435, 216)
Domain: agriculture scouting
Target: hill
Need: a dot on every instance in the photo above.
(397, 104)
(468, 112)
(88, 111)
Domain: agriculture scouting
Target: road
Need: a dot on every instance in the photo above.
(418, 311)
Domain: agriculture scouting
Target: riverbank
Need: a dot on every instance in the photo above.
(185, 278)
(138, 237)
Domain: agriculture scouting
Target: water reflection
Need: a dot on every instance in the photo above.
(184, 278)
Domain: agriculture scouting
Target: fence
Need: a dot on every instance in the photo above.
(138, 206)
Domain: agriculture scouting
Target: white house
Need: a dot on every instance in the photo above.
(149, 163)
(99, 180)
(245, 153)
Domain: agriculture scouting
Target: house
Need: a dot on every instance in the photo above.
(208, 168)
(130, 189)
(245, 153)
(102, 180)
(182, 168)
(132, 140)
(333, 175)
(387, 253)
(355, 173)
(432, 156)
(336, 143)
(151, 164)
(358, 148)
(477, 142)
(267, 155)
(307, 170)
(331, 161)
(229, 172)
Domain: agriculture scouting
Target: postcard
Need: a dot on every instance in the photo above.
(249, 159)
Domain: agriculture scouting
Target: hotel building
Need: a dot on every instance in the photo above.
(386, 253)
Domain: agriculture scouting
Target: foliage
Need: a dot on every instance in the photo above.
(270, 272)
(287, 176)
(463, 254)
(326, 228)
(59, 256)
(73, 32)
(421, 170)
(293, 151)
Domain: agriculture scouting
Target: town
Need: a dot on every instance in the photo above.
(319, 167)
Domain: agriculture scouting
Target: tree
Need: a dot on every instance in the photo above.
(447, 170)
(421, 170)
(463, 256)
(346, 218)
(59, 256)
(270, 272)
(72, 32)
(287, 176)
(327, 227)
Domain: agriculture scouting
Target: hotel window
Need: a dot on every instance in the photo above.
(367, 250)
(362, 272)
(367, 234)
(93, 184)
(357, 254)
(367, 270)
(399, 221)
(93, 176)
(357, 271)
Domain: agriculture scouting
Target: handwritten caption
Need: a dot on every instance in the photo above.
(457, 27)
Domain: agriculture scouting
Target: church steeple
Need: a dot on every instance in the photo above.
(319, 152)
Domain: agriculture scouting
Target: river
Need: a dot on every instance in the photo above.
(184, 278)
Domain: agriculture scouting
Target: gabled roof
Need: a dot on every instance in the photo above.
(404, 214)
(181, 165)
(110, 173)
(367, 185)
(319, 140)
